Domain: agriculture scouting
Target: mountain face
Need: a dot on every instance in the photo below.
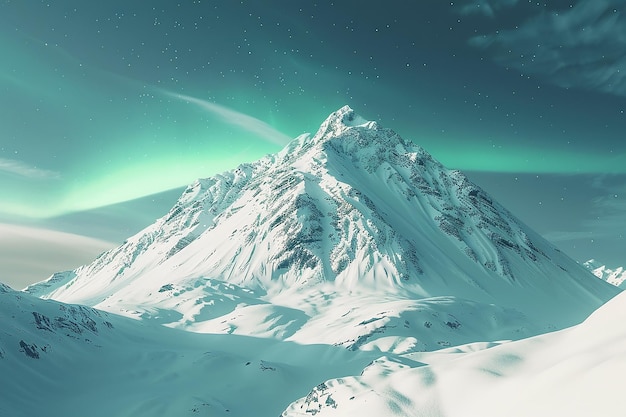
(352, 216)
(615, 276)
(351, 266)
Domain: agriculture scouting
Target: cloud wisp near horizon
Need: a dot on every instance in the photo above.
(30, 254)
(22, 169)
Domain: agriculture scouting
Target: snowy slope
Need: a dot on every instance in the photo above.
(58, 360)
(351, 225)
(577, 372)
(616, 276)
(62, 360)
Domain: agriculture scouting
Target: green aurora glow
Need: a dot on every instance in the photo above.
(107, 102)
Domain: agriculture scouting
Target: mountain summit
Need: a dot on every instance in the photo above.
(351, 211)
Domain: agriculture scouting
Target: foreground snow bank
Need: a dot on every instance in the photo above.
(573, 372)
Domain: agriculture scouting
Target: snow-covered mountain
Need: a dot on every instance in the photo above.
(351, 217)
(616, 276)
(351, 257)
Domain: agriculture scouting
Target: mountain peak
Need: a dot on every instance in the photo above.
(352, 209)
(346, 116)
(343, 120)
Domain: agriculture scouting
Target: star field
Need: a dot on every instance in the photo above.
(107, 102)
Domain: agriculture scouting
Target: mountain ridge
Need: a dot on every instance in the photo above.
(351, 261)
(349, 211)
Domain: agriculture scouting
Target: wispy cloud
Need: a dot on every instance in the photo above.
(583, 46)
(31, 254)
(609, 208)
(22, 169)
(600, 231)
(485, 7)
(233, 117)
(568, 236)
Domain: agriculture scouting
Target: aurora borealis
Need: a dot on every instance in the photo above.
(104, 103)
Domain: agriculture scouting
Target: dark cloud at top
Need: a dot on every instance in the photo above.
(582, 46)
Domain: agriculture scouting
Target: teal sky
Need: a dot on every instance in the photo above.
(104, 103)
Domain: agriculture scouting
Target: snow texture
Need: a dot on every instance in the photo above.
(575, 372)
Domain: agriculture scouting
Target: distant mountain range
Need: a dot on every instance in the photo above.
(350, 246)
(615, 276)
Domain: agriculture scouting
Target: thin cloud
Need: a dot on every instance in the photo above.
(24, 170)
(244, 121)
(580, 47)
(606, 215)
(485, 7)
(609, 209)
(31, 254)
(568, 236)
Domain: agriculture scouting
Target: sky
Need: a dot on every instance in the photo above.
(109, 109)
